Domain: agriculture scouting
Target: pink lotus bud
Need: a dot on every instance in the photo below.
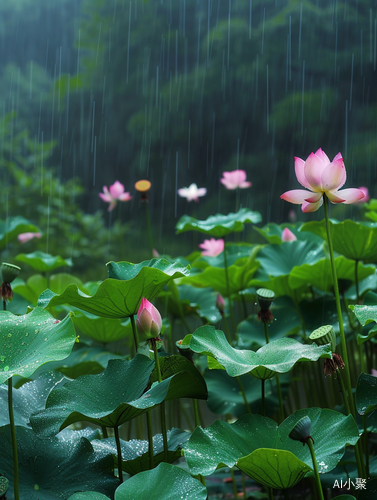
(366, 195)
(374, 372)
(288, 235)
(155, 253)
(220, 304)
(148, 321)
(292, 216)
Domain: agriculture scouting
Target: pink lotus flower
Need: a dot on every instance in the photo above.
(212, 247)
(321, 176)
(192, 192)
(24, 237)
(220, 303)
(287, 235)
(366, 195)
(148, 320)
(235, 179)
(113, 194)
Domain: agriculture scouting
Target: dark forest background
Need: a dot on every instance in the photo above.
(176, 91)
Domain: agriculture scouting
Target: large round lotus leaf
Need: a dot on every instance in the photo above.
(26, 342)
(191, 300)
(355, 240)
(278, 356)
(88, 495)
(273, 232)
(279, 285)
(80, 468)
(120, 295)
(43, 262)
(12, 227)
(135, 454)
(240, 275)
(366, 314)
(278, 469)
(366, 393)
(325, 424)
(279, 260)
(102, 400)
(166, 482)
(224, 444)
(29, 398)
(32, 289)
(225, 396)
(319, 274)
(219, 225)
(103, 330)
(286, 322)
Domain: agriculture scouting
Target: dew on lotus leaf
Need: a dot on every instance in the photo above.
(6, 368)
(26, 334)
(9, 334)
(36, 331)
(36, 487)
(2, 358)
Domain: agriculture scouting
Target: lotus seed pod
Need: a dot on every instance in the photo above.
(301, 431)
(9, 272)
(324, 335)
(4, 485)
(265, 298)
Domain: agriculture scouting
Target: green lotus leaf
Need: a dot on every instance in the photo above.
(234, 252)
(135, 455)
(278, 356)
(88, 495)
(12, 227)
(39, 459)
(278, 469)
(355, 240)
(279, 260)
(191, 300)
(366, 314)
(366, 394)
(33, 339)
(165, 481)
(240, 276)
(222, 444)
(273, 232)
(113, 297)
(43, 262)
(225, 396)
(319, 274)
(27, 399)
(104, 330)
(365, 285)
(321, 311)
(286, 322)
(219, 225)
(102, 400)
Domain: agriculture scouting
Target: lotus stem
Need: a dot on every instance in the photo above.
(228, 293)
(104, 432)
(196, 412)
(366, 446)
(316, 473)
(235, 492)
(243, 394)
(162, 405)
(119, 453)
(134, 332)
(226, 328)
(150, 439)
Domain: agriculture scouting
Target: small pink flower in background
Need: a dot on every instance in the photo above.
(366, 198)
(113, 194)
(24, 237)
(212, 247)
(374, 372)
(192, 192)
(155, 253)
(148, 320)
(235, 179)
(321, 176)
(287, 235)
(220, 303)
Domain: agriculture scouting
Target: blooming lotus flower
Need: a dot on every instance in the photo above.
(24, 237)
(235, 179)
(212, 247)
(366, 195)
(192, 192)
(113, 194)
(321, 176)
(287, 235)
(148, 320)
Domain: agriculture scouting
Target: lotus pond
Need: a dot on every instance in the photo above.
(244, 370)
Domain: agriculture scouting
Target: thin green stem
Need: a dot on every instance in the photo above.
(243, 485)
(226, 328)
(243, 394)
(366, 446)
(134, 332)
(281, 405)
(196, 412)
(104, 432)
(149, 229)
(263, 399)
(119, 453)
(315, 467)
(162, 405)
(357, 281)
(244, 305)
(228, 293)
(150, 439)
(339, 309)
(14, 440)
(270, 494)
(186, 415)
(266, 332)
(235, 492)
